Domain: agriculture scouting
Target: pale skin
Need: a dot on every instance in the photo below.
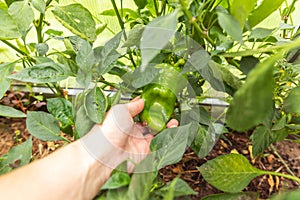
(77, 171)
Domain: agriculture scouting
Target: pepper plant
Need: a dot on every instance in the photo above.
(175, 54)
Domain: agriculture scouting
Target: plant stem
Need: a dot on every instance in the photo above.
(15, 48)
(39, 25)
(286, 17)
(156, 8)
(39, 28)
(163, 8)
(110, 84)
(121, 23)
(193, 21)
(283, 175)
(251, 52)
(48, 2)
(48, 85)
(58, 89)
(65, 139)
(281, 160)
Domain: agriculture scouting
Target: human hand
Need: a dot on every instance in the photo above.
(121, 137)
(133, 138)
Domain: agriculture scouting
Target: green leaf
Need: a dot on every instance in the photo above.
(260, 33)
(39, 5)
(62, 110)
(117, 180)
(83, 124)
(233, 196)
(152, 41)
(177, 187)
(169, 145)
(106, 64)
(198, 60)
(5, 70)
(53, 32)
(7, 111)
(254, 99)
(84, 78)
(279, 135)
(95, 105)
(70, 66)
(229, 78)
(134, 36)
(169, 195)
(123, 12)
(9, 2)
(201, 142)
(200, 115)
(266, 8)
(212, 74)
(224, 171)
(107, 55)
(115, 99)
(85, 59)
(240, 10)
(3, 6)
(43, 126)
(85, 55)
(248, 63)
(8, 27)
(280, 123)
(41, 73)
(18, 156)
(23, 15)
(291, 102)
(140, 186)
(287, 195)
(140, 3)
(231, 26)
(140, 77)
(77, 19)
(120, 194)
(100, 28)
(261, 139)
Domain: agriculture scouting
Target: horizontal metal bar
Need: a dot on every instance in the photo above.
(74, 91)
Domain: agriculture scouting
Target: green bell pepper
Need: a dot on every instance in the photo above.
(160, 97)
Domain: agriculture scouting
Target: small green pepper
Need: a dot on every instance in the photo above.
(160, 97)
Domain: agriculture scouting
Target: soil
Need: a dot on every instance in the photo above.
(265, 185)
(13, 132)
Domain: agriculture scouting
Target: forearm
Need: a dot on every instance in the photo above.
(78, 170)
(72, 172)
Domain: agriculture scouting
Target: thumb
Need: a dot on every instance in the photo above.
(135, 107)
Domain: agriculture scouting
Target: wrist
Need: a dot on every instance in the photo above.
(98, 158)
(100, 149)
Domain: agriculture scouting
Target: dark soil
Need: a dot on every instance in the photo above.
(264, 185)
(13, 132)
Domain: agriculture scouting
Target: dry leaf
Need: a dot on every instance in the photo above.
(271, 183)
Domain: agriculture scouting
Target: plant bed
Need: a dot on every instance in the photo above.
(13, 132)
(265, 186)
(177, 55)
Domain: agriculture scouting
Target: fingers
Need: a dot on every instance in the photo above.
(172, 123)
(135, 106)
(135, 99)
(149, 138)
